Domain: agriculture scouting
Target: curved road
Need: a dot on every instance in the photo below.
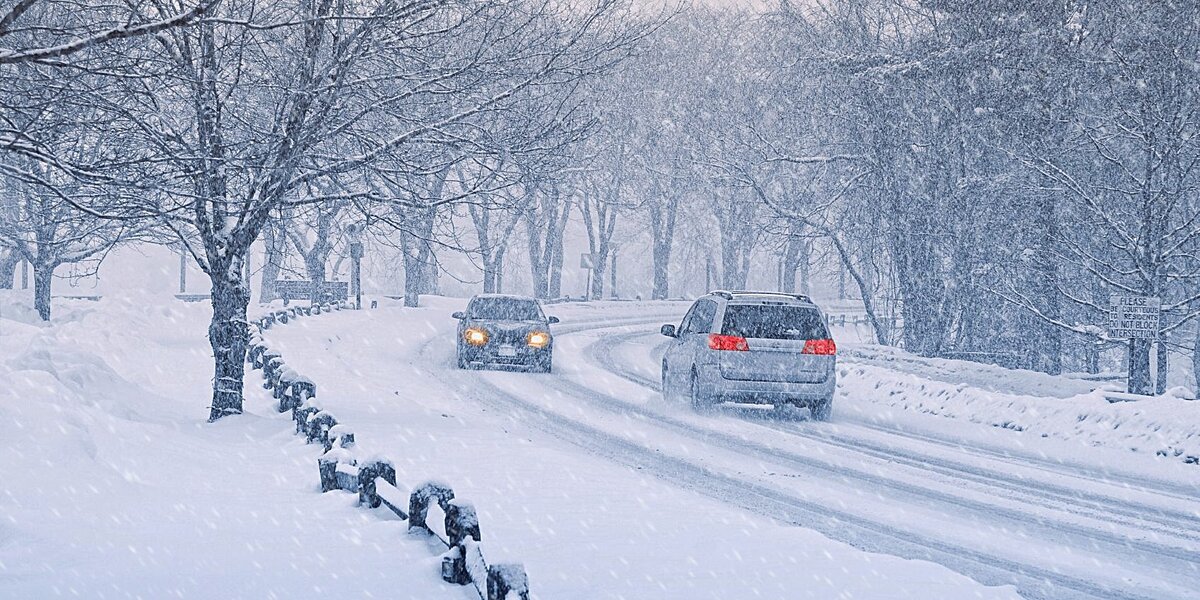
(1051, 532)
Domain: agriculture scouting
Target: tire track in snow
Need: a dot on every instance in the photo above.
(1158, 519)
(1030, 580)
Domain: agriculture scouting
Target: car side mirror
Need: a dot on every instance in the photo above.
(553, 320)
(668, 330)
(460, 315)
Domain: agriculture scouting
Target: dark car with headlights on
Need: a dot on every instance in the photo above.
(500, 329)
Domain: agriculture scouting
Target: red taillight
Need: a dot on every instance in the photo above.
(717, 341)
(823, 347)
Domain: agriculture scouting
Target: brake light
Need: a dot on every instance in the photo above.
(737, 343)
(822, 347)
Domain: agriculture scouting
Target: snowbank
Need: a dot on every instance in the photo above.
(1052, 407)
(114, 484)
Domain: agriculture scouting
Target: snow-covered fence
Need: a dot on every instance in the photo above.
(843, 320)
(374, 479)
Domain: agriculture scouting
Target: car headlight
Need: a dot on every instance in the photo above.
(475, 336)
(538, 339)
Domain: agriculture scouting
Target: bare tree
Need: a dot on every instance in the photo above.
(41, 31)
(41, 225)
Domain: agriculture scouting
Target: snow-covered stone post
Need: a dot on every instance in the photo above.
(418, 502)
(461, 524)
(506, 582)
(301, 390)
(367, 473)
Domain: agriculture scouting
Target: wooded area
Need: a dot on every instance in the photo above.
(983, 174)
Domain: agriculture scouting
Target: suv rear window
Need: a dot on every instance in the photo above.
(504, 309)
(774, 322)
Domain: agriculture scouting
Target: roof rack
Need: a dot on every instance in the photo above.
(728, 295)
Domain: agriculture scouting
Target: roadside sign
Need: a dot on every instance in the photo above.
(587, 261)
(1134, 317)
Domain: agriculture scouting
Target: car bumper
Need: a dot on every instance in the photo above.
(491, 355)
(720, 389)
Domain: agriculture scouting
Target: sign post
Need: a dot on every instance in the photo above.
(182, 269)
(587, 261)
(1135, 318)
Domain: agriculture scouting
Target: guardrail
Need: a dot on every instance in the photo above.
(341, 467)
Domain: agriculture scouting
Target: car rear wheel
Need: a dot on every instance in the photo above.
(700, 401)
(821, 410)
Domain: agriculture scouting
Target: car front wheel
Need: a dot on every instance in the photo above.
(665, 383)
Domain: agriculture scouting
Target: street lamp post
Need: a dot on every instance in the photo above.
(354, 231)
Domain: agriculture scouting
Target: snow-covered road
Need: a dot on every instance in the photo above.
(605, 490)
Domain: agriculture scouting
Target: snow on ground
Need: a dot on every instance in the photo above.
(1054, 407)
(585, 526)
(114, 486)
(586, 475)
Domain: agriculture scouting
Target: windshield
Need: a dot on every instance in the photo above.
(504, 309)
(775, 322)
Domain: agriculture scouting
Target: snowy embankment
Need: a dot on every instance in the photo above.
(1052, 407)
(114, 485)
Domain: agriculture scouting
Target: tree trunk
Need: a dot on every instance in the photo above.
(662, 228)
(1196, 361)
(429, 282)
(601, 268)
(419, 266)
(1139, 367)
(555, 243)
(1050, 355)
(733, 264)
(612, 276)
(805, 267)
(43, 277)
(1160, 385)
(787, 275)
(8, 268)
(882, 334)
(314, 267)
(493, 270)
(789, 264)
(537, 264)
(490, 280)
(554, 285)
(228, 335)
(661, 255)
(414, 274)
(273, 241)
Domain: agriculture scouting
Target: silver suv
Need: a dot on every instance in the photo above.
(755, 347)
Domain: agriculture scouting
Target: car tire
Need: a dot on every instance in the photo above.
(665, 384)
(544, 364)
(821, 410)
(700, 402)
(462, 361)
